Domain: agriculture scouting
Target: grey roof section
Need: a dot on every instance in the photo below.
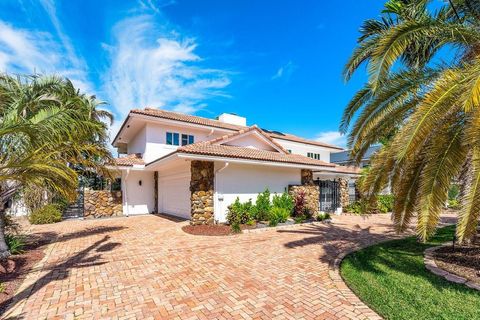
(344, 156)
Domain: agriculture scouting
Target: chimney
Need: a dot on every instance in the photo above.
(232, 118)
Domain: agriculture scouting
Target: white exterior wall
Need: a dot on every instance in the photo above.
(137, 199)
(250, 141)
(156, 136)
(303, 149)
(137, 144)
(246, 182)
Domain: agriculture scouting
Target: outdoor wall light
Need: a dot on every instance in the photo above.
(139, 182)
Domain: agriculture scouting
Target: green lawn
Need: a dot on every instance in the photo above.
(391, 278)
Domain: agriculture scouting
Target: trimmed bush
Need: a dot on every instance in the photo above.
(385, 203)
(278, 215)
(283, 201)
(240, 213)
(46, 214)
(323, 216)
(263, 206)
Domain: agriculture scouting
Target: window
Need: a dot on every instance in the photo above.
(173, 138)
(312, 155)
(187, 139)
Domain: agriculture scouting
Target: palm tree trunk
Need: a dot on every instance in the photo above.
(4, 252)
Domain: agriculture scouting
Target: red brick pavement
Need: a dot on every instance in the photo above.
(146, 267)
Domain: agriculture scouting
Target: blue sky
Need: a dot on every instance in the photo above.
(278, 63)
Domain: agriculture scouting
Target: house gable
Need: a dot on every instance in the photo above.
(253, 138)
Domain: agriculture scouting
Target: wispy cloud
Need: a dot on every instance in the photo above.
(285, 71)
(332, 137)
(153, 65)
(28, 51)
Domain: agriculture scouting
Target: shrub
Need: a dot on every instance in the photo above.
(278, 215)
(299, 204)
(300, 219)
(46, 214)
(453, 192)
(235, 226)
(15, 243)
(323, 216)
(240, 213)
(453, 204)
(61, 203)
(283, 201)
(385, 203)
(3, 287)
(263, 206)
(354, 207)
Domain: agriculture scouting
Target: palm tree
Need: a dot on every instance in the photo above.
(428, 106)
(46, 127)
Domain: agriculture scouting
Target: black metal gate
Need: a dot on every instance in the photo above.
(329, 195)
(76, 209)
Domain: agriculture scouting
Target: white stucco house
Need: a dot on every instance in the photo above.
(180, 164)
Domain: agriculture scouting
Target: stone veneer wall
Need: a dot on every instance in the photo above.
(311, 190)
(102, 204)
(201, 188)
(344, 196)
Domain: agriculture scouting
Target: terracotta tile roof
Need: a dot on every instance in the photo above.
(186, 118)
(208, 149)
(129, 160)
(246, 130)
(158, 113)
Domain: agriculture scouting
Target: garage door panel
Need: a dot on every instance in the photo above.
(175, 195)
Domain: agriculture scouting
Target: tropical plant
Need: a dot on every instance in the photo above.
(277, 215)
(15, 243)
(385, 203)
(424, 106)
(239, 212)
(48, 132)
(284, 200)
(263, 205)
(46, 214)
(299, 204)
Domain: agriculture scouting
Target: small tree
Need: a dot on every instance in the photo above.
(263, 205)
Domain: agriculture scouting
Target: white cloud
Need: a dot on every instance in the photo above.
(332, 137)
(285, 71)
(26, 51)
(152, 65)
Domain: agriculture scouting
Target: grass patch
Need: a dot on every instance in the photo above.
(391, 279)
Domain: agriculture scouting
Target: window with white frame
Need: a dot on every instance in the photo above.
(312, 155)
(187, 139)
(175, 139)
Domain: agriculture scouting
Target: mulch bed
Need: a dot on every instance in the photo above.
(463, 261)
(212, 230)
(34, 252)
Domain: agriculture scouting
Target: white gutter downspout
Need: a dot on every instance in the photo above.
(217, 200)
(211, 132)
(125, 193)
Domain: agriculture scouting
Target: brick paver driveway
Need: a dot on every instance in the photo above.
(147, 267)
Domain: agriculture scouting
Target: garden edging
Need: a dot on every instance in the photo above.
(431, 265)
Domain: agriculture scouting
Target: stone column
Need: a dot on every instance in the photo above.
(201, 188)
(310, 190)
(155, 190)
(344, 197)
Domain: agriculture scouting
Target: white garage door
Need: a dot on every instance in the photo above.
(174, 195)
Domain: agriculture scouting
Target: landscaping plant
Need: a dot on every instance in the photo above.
(424, 112)
(46, 214)
(299, 204)
(15, 243)
(48, 128)
(263, 206)
(277, 215)
(284, 200)
(240, 213)
(385, 203)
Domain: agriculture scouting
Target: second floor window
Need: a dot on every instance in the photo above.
(312, 155)
(187, 139)
(173, 138)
